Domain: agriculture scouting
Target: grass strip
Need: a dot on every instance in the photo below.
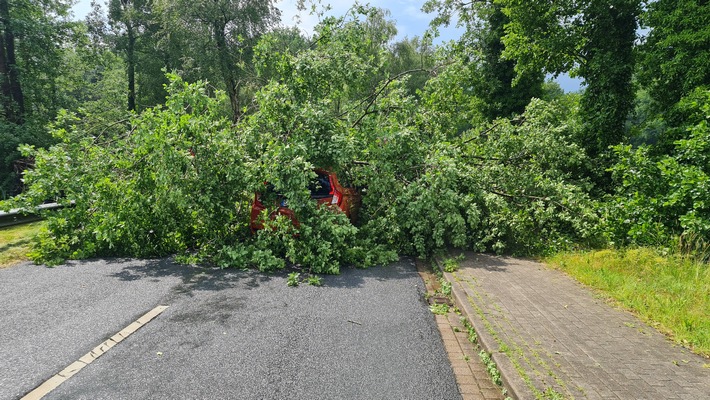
(15, 242)
(669, 292)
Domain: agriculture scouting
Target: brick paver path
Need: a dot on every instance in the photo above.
(551, 336)
(471, 375)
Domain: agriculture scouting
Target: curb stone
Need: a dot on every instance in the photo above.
(473, 380)
(513, 383)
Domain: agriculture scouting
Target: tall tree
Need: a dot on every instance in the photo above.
(34, 37)
(415, 54)
(220, 36)
(675, 58)
(377, 31)
(13, 102)
(280, 43)
(129, 18)
(592, 39)
(502, 91)
(96, 84)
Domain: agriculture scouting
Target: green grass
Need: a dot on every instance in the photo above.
(15, 243)
(671, 293)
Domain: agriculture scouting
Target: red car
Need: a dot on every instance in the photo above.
(325, 189)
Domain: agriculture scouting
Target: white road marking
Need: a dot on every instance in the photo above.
(53, 382)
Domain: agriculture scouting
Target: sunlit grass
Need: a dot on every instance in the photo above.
(15, 243)
(671, 293)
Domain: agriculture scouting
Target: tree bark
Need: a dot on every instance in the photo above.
(227, 69)
(131, 65)
(13, 101)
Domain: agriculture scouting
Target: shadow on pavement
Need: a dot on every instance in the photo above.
(192, 277)
(215, 279)
(486, 262)
(351, 277)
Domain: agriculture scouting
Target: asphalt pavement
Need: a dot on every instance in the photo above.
(365, 334)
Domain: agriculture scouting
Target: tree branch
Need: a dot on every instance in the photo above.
(372, 97)
(517, 122)
(524, 196)
(497, 124)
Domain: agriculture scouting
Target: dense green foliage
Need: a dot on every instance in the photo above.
(180, 178)
(32, 71)
(502, 91)
(672, 64)
(675, 55)
(665, 288)
(138, 193)
(213, 40)
(659, 197)
(451, 145)
(592, 39)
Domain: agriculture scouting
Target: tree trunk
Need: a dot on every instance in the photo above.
(13, 101)
(5, 91)
(131, 65)
(227, 69)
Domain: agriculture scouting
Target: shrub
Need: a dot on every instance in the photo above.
(659, 197)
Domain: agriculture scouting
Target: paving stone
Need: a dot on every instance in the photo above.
(466, 379)
(564, 337)
(478, 367)
(473, 396)
(470, 373)
(448, 334)
(490, 393)
(459, 364)
(488, 385)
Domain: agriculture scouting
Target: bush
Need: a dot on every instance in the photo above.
(660, 197)
(175, 180)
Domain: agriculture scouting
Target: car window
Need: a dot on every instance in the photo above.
(320, 187)
(268, 194)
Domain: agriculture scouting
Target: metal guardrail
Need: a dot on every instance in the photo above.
(19, 216)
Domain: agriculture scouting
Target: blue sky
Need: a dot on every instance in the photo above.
(411, 21)
(407, 14)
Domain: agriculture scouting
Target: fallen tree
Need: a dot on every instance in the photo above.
(180, 179)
